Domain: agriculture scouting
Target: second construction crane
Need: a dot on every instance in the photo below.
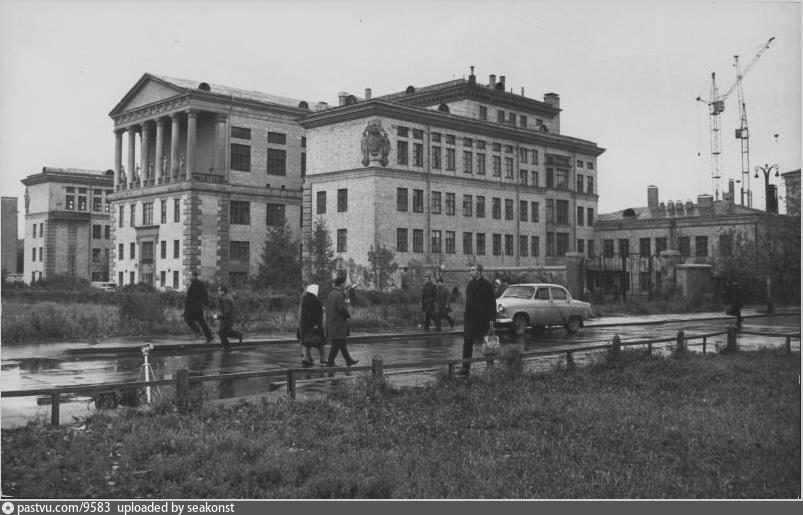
(716, 105)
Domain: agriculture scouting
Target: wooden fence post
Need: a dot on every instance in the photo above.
(291, 383)
(680, 348)
(570, 361)
(789, 345)
(182, 384)
(55, 399)
(616, 344)
(376, 367)
(731, 346)
(704, 341)
(451, 369)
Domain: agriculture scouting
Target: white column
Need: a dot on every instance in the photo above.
(192, 117)
(132, 161)
(118, 156)
(220, 146)
(144, 141)
(160, 126)
(174, 134)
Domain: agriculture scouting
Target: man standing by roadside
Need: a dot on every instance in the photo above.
(197, 300)
(429, 297)
(337, 329)
(479, 315)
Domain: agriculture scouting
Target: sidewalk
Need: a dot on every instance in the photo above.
(183, 342)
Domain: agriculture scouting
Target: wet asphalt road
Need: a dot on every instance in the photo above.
(47, 365)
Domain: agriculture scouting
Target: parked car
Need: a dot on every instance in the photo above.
(105, 286)
(540, 305)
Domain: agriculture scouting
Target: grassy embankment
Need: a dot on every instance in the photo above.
(714, 426)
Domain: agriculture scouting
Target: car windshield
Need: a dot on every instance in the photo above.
(519, 292)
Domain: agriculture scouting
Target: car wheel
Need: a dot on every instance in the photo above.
(573, 325)
(519, 325)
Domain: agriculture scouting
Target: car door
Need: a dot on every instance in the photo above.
(543, 311)
(561, 302)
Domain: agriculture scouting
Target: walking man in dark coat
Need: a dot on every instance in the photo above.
(197, 300)
(479, 315)
(429, 298)
(337, 328)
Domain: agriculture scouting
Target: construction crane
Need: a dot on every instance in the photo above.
(716, 105)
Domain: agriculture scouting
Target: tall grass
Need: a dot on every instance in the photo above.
(715, 426)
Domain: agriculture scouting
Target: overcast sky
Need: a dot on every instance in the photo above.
(627, 72)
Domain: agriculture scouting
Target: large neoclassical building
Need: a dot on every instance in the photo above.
(451, 174)
(201, 173)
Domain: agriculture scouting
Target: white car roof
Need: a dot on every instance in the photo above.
(537, 285)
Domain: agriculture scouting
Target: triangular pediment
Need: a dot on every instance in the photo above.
(148, 90)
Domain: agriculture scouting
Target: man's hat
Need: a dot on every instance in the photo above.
(339, 280)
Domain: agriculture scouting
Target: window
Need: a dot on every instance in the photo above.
(175, 279)
(509, 167)
(660, 245)
(95, 232)
(436, 202)
(34, 230)
(401, 152)
(418, 154)
(508, 209)
(550, 211)
(467, 161)
(275, 215)
(522, 120)
(480, 244)
(82, 201)
(401, 199)
(550, 178)
(177, 210)
(96, 255)
(436, 137)
(239, 255)
(70, 202)
(240, 157)
(41, 254)
(320, 202)
(644, 247)
(500, 116)
(535, 246)
(402, 132)
(496, 208)
(279, 138)
(607, 248)
(120, 252)
(42, 230)
(523, 177)
(684, 246)
(418, 201)
(468, 142)
(240, 212)
(589, 184)
(725, 245)
(107, 231)
(550, 244)
(579, 183)
(132, 250)
(590, 216)
(590, 247)
(508, 244)
(562, 243)
(162, 278)
(624, 247)
(303, 164)
(483, 113)
(436, 242)
(450, 159)
(450, 139)
(496, 242)
(132, 278)
(511, 118)
(480, 206)
(277, 161)
(523, 246)
(523, 210)
(108, 204)
(163, 212)
(147, 213)
(436, 157)
(342, 200)
(163, 249)
(497, 166)
(535, 211)
(580, 215)
(450, 204)
(480, 164)
(401, 240)
(342, 235)
(701, 246)
(590, 165)
(562, 179)
(240, 133)
(418, 240)
(176, 248)
(535, 179)
(468, 205)
(535, 157)
(450, 242)
(468, 243)
(523, 155)
(418, 134)
(97, 203)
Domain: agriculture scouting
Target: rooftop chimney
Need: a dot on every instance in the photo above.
(472, 79)
(492, 80)
(552, 99)
(705, 201)
(502, 82)
(367, 93)
(341, 98)
(652, 196)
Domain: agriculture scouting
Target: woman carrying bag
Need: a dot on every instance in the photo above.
(310, 326)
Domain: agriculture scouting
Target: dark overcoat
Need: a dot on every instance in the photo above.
(197, 299)
(310, 316)
(429, 294)
(480, 308)
(337, 315)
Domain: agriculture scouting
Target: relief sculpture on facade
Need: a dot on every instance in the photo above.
(375, 144)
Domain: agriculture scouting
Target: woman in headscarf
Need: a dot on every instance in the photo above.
(310, 326)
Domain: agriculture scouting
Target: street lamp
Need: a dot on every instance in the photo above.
(769, 204)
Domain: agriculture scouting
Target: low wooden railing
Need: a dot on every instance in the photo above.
(182, 381)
